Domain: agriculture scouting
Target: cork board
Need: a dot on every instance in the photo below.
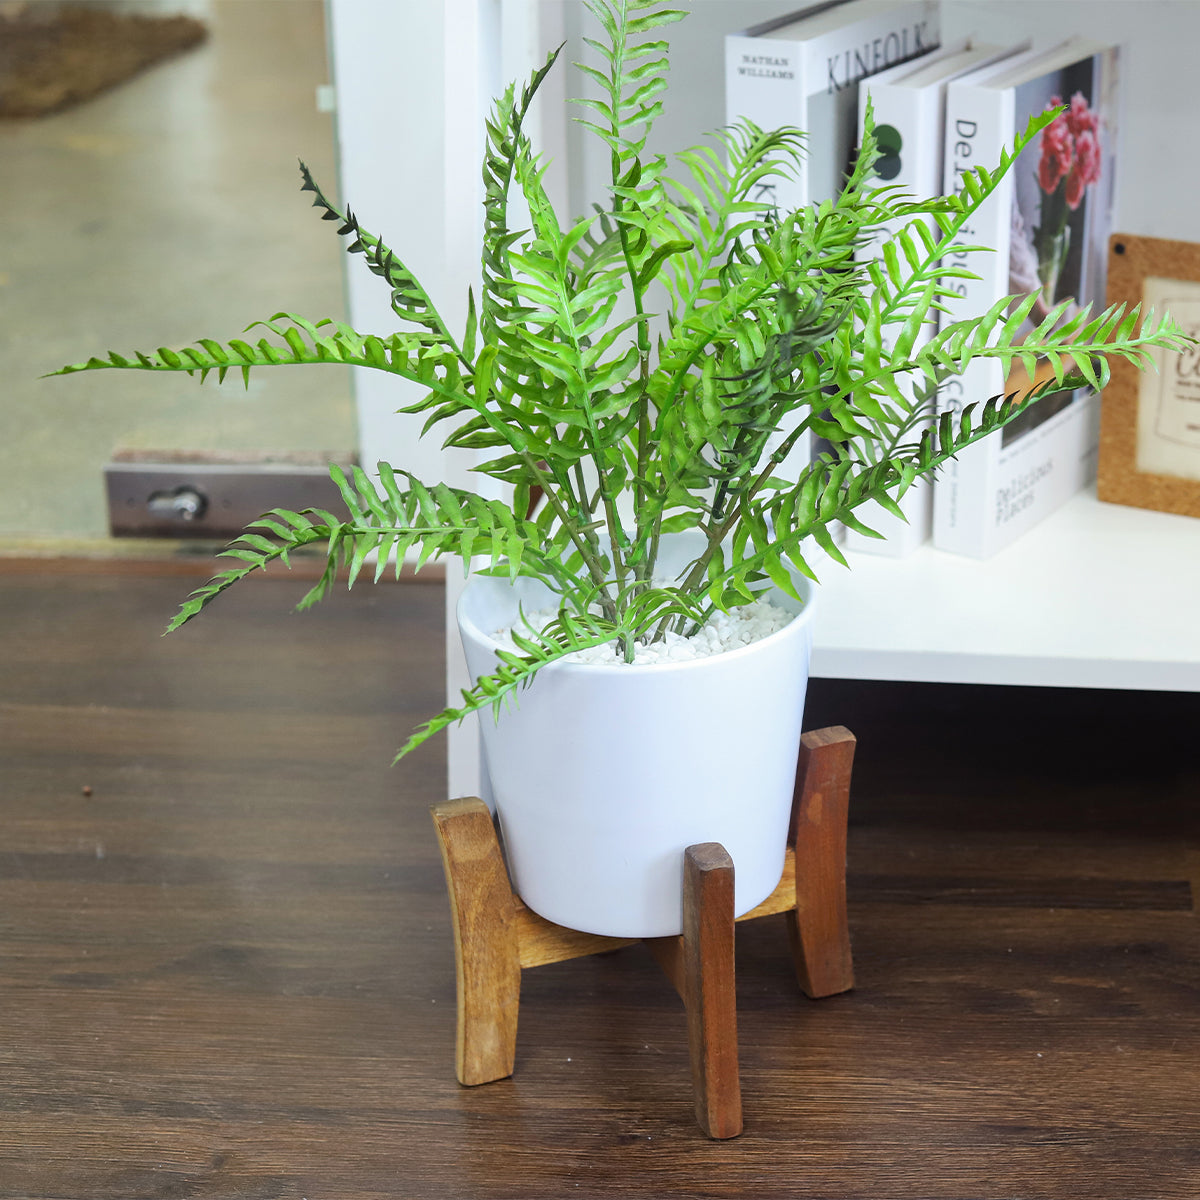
(1150, 421)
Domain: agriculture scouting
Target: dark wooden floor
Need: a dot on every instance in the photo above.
(225, 961)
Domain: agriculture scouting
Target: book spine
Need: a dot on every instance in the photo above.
(979, 124)
(765, 83)
(898, 130)
(839, 63)
(909, 120)
(812, 84)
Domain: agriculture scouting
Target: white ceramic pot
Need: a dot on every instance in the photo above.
(603, 775)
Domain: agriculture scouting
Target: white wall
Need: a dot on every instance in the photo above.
(391, 152)
(413, 83)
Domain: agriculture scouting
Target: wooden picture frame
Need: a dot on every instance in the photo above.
(1150, 421)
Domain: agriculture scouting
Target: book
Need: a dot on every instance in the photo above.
(1049, 223)
(802, 70)
(909, 103)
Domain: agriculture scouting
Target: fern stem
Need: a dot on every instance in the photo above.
(579, 536)
(717, 536)
(643, 566)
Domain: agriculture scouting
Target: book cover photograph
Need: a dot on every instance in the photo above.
(1061, 210)
(1049, 221)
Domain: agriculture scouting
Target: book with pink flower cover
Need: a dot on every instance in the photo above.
(1049, 223)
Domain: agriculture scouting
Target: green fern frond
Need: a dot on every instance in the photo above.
(410, 301)
(829, 493)
(290, 531)
(634, 80)
(504, 141)
(704, 220)
(299, 342)
(564, 636)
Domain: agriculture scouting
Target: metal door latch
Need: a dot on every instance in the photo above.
(181, 504)
(190, 496)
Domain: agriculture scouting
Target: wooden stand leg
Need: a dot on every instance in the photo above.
(486, 945)
(496, 936)
(818, 927)
(709, 991)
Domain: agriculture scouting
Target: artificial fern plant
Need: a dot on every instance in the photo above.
(629, 368)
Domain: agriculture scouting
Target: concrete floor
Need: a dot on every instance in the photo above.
(163, 211)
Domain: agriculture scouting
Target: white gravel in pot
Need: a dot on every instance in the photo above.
(722, 632)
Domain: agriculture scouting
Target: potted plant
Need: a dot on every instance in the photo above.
(623, 375)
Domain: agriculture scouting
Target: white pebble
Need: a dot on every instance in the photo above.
(723, 631)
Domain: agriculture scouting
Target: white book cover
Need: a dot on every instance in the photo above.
(802, 70)
(909, 103)
(1049, 223)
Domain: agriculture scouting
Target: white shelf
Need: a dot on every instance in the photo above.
(1097, 595)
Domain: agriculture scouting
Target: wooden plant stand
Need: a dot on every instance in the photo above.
(496, 937)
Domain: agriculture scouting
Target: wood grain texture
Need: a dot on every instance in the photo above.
(818, 927)
(710, 994)
(229, 971)
(487, 952)
(496, 935)
(542, 942)
(783, 897)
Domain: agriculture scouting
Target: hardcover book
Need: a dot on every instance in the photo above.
(803, 70)
(1049, 222)
(909, 103)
